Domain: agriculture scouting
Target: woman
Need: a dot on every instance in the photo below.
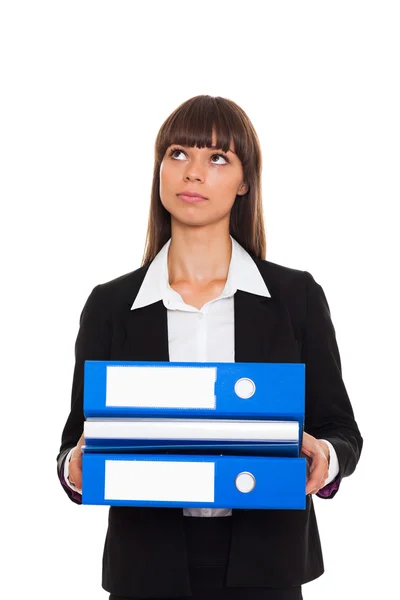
(206, 293)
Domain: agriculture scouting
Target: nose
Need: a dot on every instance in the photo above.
(194, 171)
(192, 177)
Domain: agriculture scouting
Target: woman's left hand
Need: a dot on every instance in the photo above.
(317, 454)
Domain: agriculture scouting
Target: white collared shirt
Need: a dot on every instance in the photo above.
(206, 334)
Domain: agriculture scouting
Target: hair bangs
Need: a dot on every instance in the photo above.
(194, 122)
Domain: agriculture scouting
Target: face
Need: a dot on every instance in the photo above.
(216, 176)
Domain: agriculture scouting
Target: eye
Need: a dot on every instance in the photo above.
(174, 150)
(218, 154)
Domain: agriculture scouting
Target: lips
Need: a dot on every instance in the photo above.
(192, 197)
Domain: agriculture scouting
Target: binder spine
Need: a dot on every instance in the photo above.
(206, 481)
(194, 390)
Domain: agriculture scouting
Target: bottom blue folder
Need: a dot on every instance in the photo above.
(246, 482)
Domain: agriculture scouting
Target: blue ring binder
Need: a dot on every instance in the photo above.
(123, 468)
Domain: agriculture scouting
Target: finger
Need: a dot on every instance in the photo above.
(77, 451)
(76, 481)
(314, 483)
(78, 488)
(313, 489)
(308, 464)
(75, 473)
(317, 474)
(308, 473)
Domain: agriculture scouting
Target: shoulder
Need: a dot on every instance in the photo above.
(296, 290)
(282, 280)
(120, 290)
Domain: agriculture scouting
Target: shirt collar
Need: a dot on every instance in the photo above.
(243, 275)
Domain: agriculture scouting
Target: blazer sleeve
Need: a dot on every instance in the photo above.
(328, 412)
(92, 343)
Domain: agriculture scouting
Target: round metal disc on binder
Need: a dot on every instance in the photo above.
(245, 482)
(245, 388)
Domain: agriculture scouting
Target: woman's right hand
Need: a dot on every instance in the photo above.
(75, 464)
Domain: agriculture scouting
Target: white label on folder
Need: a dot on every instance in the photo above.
(158, 481)
(161, 387)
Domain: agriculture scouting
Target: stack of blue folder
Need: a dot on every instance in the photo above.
(215, 435)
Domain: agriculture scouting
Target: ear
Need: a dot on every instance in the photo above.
(243, 189)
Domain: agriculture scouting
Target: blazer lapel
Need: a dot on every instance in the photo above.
(146, 334)
(263, 331)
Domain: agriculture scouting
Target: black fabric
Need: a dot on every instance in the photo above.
(145, 550)
(207, 593)
(208, 544)
(208, 541)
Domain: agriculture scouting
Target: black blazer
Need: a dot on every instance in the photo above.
(144, 551)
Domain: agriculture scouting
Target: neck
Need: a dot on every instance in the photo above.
(199, 254)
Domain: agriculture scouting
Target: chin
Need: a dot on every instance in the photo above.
(189, 214)
(197, 220)
(195, 215)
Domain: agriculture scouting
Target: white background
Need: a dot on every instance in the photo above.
(85, 88)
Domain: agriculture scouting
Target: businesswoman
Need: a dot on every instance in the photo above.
(206, 293)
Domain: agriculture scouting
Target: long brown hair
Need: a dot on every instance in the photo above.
(192, 124)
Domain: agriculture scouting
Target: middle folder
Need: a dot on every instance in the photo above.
(235, 408)
(260, 437)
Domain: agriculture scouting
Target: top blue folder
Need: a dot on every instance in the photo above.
(129, 389)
